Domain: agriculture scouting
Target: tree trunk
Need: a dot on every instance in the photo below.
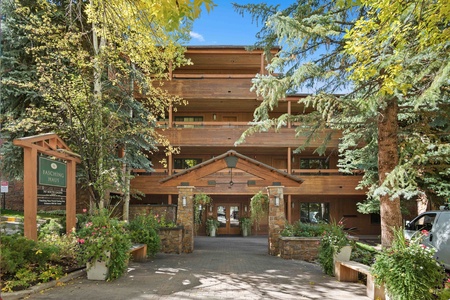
(387, 160)
(422, 203)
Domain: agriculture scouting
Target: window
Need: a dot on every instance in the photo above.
(186, 163)
(375, 218)
(188, 119)
(424, 222)
(314, 163)
(314, 212)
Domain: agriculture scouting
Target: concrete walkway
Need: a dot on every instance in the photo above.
(219, 268)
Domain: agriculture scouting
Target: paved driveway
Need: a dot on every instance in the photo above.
(219, 268)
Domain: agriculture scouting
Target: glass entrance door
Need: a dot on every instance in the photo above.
(228, 217)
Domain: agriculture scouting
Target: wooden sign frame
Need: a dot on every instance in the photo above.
(49, 144)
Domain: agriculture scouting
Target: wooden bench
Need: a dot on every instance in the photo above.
(138, 252)
(348, 271)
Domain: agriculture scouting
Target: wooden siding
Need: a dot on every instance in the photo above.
(227, 136)
(211, 88)
(312, 185)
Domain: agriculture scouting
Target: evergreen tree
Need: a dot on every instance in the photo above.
(394, 110)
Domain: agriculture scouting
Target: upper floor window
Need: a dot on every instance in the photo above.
(188, 119)
(314, 163)
(186, 163)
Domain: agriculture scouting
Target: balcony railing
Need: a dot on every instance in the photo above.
(185, 124)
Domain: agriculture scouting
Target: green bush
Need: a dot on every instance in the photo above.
(144, 230)
(302, 229)
(51, 226)
(331, 242)
(408, 269)
(103, 234)
(18, 252)
(25, 262)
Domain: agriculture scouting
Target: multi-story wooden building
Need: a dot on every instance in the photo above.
(217, 87)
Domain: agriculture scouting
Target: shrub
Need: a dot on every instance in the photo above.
(408, 269)
(25, 262)
(332, 240)
(144, 230)
(103, 235)
(259, 208)
(51, 226)
(302, 229)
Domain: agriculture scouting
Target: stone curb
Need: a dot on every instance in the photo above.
(40, 287)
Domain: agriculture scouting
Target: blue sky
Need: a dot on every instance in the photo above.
(224, 26)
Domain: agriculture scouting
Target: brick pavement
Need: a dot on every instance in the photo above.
(219, 268)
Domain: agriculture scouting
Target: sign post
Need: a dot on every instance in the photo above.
(58, 175)
(4, 190)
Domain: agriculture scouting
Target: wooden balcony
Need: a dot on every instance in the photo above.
(225, 134)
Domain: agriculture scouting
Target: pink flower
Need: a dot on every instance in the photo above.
(84, 210)
(423, 246)
(425, 232)
(81, 241)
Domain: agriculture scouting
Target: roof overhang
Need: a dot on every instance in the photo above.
(246, 170)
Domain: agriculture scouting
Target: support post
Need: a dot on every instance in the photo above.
(277, 217)
(30, 193)
(71, 196)
(185, 216)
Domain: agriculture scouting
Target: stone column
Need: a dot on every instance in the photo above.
(185, 216)
(277, 218)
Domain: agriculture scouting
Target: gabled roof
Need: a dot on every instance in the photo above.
(49, 144)
(258, 173)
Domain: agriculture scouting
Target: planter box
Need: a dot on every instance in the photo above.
(97, 270)
(301, 248)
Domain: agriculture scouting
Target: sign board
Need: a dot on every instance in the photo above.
(51, 172)
(4, 187)
(55, 201)
(51, 196)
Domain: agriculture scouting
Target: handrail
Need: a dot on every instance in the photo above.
(185, 124)
(203, 124)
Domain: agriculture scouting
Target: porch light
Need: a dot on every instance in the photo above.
(231, 161)
(199, 207)
(277, 201)
(245, 208)
(183, 199)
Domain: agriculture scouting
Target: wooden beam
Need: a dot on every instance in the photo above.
(71, 196)
(215, 76)
(30, 193)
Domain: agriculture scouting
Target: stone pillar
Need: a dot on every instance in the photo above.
(185, 216)
(277, 218)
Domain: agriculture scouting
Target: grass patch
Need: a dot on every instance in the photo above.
(57, 214)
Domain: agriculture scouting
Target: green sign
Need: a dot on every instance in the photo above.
(51, 172)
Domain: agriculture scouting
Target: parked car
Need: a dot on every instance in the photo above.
(437, 223)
